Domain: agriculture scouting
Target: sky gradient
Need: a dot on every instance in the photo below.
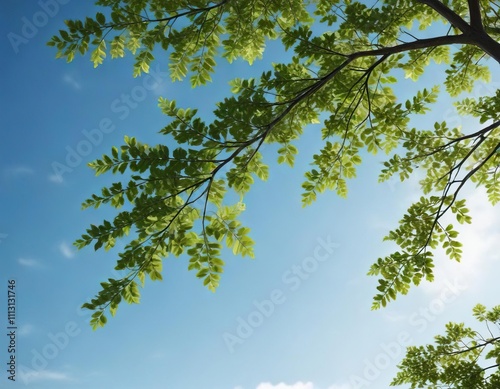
(296, 317)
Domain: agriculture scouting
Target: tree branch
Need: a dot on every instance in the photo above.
(189, 12)
(475, 31)
(415, 45)
(454, 19)
(475, 15)
(487, 342)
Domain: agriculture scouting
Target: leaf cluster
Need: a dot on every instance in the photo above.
(456, 358)
(344, 59)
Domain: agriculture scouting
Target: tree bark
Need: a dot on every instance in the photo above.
(475, 31)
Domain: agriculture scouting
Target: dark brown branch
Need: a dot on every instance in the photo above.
(490, 367)
(474, 32)
(475, 15)
(454, 19)
(415, 45)
(487, 342)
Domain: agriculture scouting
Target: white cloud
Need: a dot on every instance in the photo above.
(28, 262)
(17, 171)
(70, 80)
(66, 250)
(160, 89)
(342, 386)
(298, 385)
(56, 178)
(158, 355)
(43, 375)
(25, 330)
(394, 317)
(481, 244)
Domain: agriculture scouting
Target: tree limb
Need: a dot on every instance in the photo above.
(475, 15)
(454, 19)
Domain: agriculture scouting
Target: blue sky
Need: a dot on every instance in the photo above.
(296, 317)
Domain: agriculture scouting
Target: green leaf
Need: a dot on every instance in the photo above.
(101, 19)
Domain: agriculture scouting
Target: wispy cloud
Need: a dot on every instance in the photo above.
(28, 262)
(158, 355)
(56, 178)
(66, 250)
(44, 375)
(16, 171)
(393, 317)
(70, 80)
(298, 385)
(25, 330)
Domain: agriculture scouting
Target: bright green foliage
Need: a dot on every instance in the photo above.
(462, 358)
(191, 30)
(345, 58)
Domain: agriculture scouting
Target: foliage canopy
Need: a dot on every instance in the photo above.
(345, 59)
(455, 361)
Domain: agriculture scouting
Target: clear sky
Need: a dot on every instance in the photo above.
(296, 317)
